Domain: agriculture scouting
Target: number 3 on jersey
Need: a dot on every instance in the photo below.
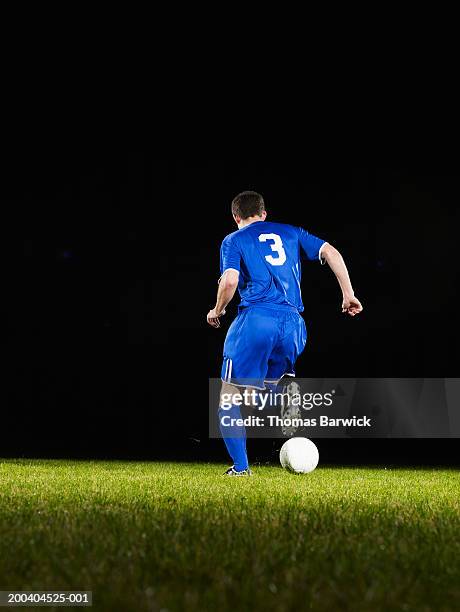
(276, 247)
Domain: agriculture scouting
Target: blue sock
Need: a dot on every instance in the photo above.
(234, 437)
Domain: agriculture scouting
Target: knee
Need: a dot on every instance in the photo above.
(235, 396)
(229, 396)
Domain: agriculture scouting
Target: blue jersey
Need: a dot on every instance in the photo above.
(268, 257)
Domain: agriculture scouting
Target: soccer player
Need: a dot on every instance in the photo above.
(263, 259)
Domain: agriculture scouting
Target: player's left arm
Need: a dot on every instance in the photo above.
(227, 288)
(350, 303)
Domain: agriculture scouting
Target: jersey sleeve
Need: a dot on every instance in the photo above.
(310, 245)
(230, 255)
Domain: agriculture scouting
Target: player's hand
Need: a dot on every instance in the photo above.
(351, 305)
(213, 318)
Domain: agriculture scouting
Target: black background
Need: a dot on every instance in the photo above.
(111, 263)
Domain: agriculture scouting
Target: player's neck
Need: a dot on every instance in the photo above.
(248, 221)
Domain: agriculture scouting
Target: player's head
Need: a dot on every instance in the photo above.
(248, 205)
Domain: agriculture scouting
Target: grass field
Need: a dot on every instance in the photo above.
(162, 536)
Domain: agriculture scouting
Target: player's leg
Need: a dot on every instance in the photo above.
(248, 344)
(233, 432)
(281, 368)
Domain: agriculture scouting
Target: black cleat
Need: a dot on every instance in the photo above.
(232, 472)
(290, 410)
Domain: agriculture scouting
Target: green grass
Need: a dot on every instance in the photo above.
(153, 536)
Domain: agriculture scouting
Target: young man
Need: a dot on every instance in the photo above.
(263, 259)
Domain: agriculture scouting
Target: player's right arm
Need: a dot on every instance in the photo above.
(230, 257)
(350, 303)
(227, 288)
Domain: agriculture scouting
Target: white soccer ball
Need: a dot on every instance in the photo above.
(299, 455)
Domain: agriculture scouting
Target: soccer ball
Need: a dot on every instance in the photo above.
(299, 455)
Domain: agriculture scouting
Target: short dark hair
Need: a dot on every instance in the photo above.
(248, 204)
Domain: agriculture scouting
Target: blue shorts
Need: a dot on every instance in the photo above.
(262, 345)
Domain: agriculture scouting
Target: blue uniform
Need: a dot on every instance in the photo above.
(268, 335)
